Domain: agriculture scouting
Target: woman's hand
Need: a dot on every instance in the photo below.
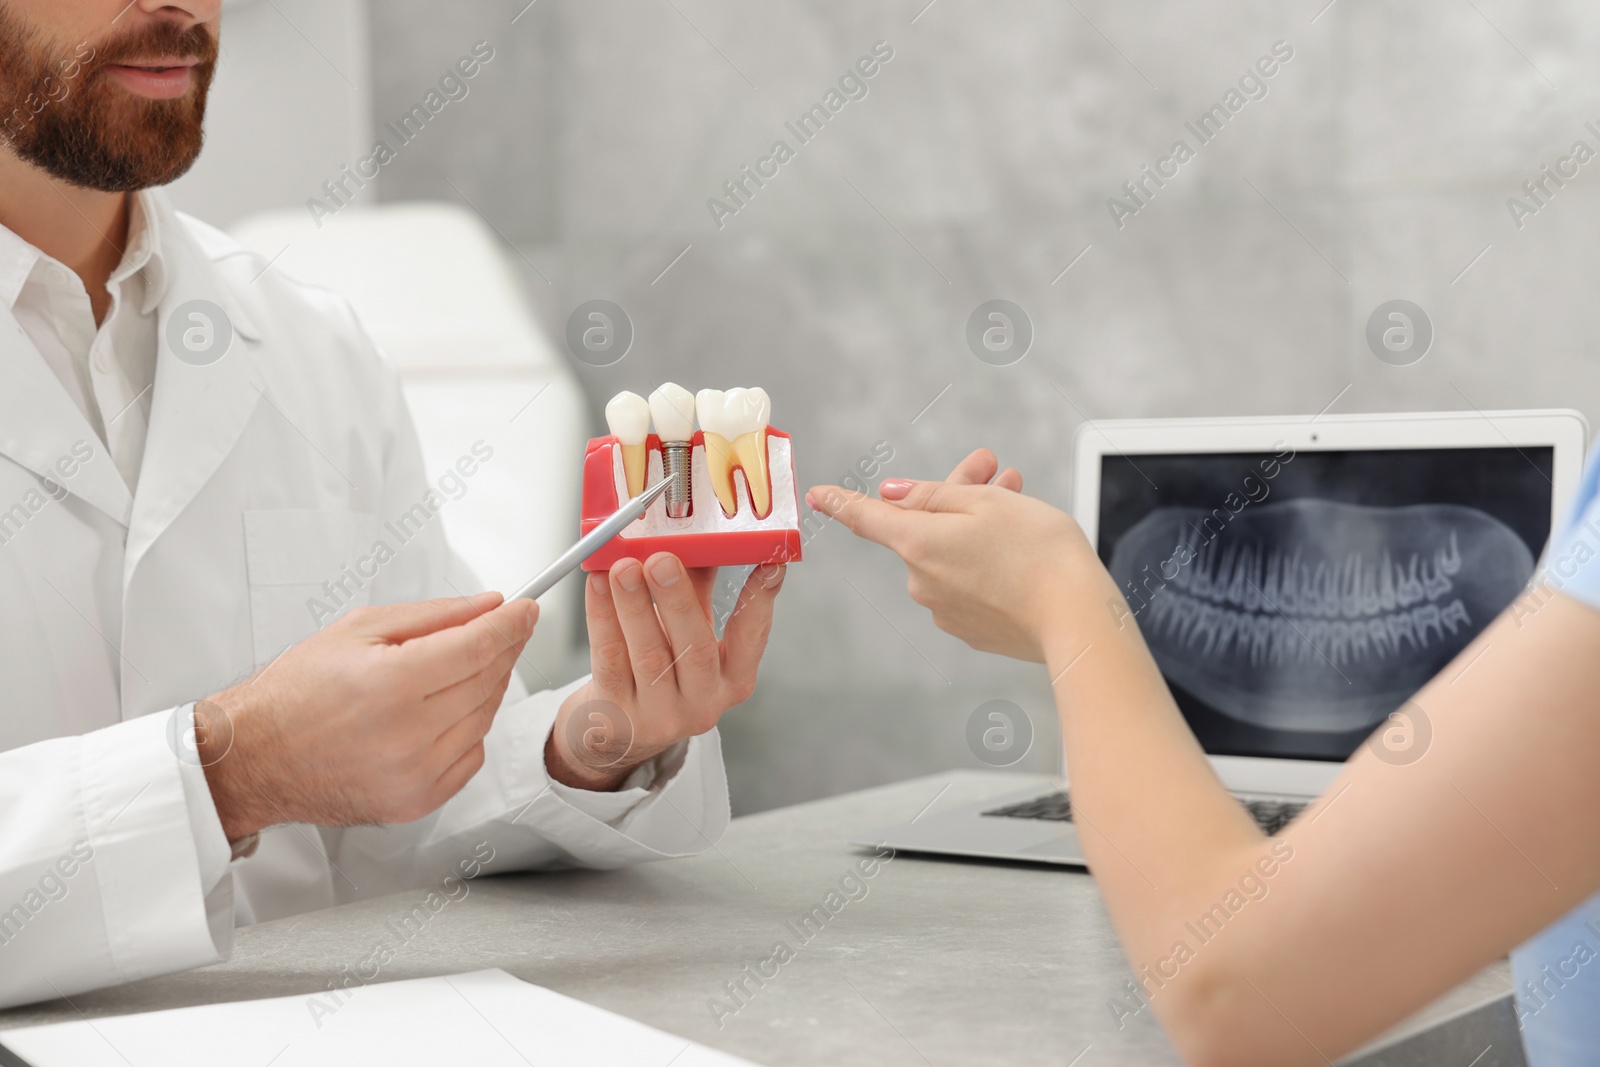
(998, 569)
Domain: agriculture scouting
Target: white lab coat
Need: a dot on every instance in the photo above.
(265, 474)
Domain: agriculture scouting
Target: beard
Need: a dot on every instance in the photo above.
(63, 112)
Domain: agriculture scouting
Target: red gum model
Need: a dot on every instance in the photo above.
(730, 548)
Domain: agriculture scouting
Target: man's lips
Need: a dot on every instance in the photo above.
(164, 78)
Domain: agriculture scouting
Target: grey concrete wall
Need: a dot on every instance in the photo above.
(255, 110)
(979, 165)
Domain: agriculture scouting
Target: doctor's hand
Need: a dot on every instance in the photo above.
(378, 718)
(660, 674)
(998, 569)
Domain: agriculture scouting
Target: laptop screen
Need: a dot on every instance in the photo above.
(1294, 599)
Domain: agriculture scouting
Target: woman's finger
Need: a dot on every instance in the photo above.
(976, 469)
(885, 524)
(928, 496)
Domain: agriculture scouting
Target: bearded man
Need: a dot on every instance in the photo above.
(190, 446)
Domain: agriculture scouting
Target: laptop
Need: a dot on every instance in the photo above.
(1297, 581)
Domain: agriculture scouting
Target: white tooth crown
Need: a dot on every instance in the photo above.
(748, 410)
(672, 407)
(758, 408)
(733, 413)
(734, 426)
(709, 405)
(628, 416)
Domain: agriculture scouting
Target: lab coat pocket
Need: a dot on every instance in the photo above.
(304, 569)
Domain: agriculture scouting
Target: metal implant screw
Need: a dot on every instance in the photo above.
(675, 457)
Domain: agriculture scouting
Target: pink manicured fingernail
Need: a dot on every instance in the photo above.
(665, 571)
(629, 575)
(895, 488)
(598, 584)
(811, 501)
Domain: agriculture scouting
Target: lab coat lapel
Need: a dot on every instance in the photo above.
(43, 430)
(198, 411)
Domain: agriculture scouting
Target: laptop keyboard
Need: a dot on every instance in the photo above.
(1270, 815)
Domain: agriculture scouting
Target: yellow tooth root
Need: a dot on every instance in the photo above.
(721, 457)
(752, 452)
(635, 466)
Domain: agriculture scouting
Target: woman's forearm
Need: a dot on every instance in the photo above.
(1168, 844)
(1406, 878)
(1164, 838)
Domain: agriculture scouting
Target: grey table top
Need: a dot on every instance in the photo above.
(941, 962)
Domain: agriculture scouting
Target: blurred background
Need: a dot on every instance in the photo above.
(1377, 162)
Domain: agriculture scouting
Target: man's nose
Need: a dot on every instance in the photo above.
(185, 12)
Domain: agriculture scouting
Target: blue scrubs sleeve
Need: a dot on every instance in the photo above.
(1557, 973)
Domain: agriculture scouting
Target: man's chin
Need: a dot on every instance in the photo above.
(141, 158)
(114, 139)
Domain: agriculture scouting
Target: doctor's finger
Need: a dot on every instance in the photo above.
(445, 709)
(746, 636)
(399, 623)
(705, 585)
(469, 729)
(608, 647)
(695, 656)
(457, 775)
(440, 660)
(649, 654)
(862, 515)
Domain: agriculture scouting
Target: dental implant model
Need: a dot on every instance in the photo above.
(733, 425)
(628, 416)
(672, 408)
(709, 520)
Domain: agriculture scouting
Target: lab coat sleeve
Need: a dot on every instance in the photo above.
(100, 866)
(212, 850)
(513, 817)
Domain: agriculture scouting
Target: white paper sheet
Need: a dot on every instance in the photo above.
(482, 1019)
